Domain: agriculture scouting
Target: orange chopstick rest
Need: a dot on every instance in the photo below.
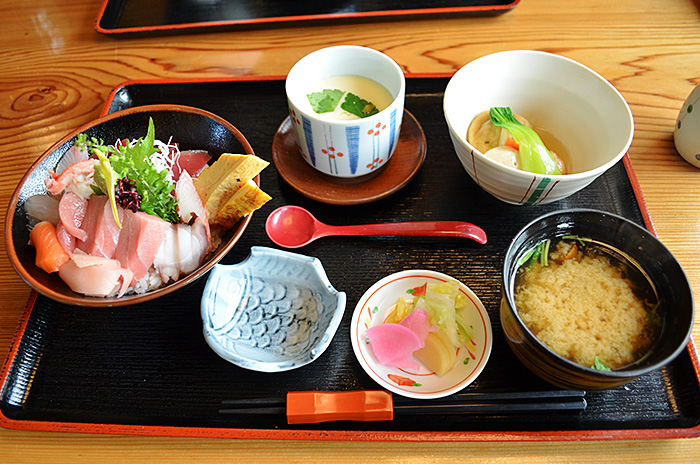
(312, 407)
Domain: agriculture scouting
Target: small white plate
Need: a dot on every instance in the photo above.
(373, 309)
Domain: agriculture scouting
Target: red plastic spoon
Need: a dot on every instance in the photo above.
(293, 227)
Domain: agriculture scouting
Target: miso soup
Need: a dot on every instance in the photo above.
(588, 302)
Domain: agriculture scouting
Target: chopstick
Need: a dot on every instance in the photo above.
(364, 405)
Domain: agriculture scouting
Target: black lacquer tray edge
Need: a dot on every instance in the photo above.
(114, 7)
(320, 433)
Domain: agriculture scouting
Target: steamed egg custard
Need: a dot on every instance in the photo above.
(511, 139)
(348, 97)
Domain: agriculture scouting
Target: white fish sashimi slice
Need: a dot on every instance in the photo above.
(189, 204)
(73, 155)
(182, 251)
(42, 208)
(95, 276)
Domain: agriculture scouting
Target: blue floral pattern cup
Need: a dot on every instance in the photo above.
(346, 148)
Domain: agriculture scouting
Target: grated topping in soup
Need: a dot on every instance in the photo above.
(583, 307)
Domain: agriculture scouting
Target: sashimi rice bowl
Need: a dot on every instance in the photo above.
(133, 206)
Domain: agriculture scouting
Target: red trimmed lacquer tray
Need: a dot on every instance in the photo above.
(147, 370)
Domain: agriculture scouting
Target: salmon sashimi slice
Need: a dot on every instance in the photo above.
(50, 255)
(101, 228)
(95, 275)
(139, 241)
(71, 210)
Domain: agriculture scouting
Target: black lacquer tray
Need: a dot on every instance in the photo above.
(146, 369)
(127, 17)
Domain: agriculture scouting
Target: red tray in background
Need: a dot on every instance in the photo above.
(126, 17)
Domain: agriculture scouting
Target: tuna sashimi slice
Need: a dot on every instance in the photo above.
(95, 276)
(139, 241)
(192, 161)
(71, 210)
(394, 344)
(66, 240)
(102, 230)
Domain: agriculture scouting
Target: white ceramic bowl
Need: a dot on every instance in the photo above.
(373, 309)
(572, 102)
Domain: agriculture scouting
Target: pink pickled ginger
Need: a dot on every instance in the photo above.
(394, 344)
(419, 322)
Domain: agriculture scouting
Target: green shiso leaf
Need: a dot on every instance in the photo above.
(134, 162)
(326, 101)
(358, 106)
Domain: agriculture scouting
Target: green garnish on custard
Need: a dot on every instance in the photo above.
(359, 107)
(327, 100)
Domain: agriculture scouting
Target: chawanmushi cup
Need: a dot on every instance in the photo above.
(346, 150)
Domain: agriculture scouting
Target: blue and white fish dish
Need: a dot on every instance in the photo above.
(273, 312)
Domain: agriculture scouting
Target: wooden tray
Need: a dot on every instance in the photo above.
(127, 17)
(146, 369)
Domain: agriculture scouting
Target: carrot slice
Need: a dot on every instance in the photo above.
(571, 253)
(512, 143)
(50, 255)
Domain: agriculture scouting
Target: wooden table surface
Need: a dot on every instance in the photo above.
(56, 73)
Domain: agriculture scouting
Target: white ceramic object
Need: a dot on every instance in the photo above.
(354, 148)
(373, 309)
(273, 312)
(686, 134)
(572, 102)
